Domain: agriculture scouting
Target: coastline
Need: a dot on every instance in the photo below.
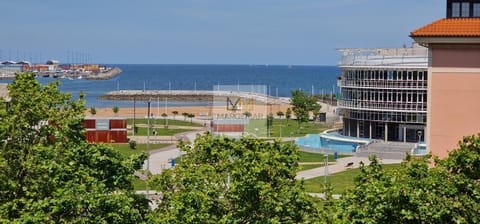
(10, 75)
(198, 111)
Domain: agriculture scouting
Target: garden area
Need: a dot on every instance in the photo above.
(283, 128)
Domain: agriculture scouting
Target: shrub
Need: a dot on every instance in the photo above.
(133, 144)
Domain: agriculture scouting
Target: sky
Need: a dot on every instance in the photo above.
(284, 32)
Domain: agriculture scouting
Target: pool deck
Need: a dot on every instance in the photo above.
(347, 139)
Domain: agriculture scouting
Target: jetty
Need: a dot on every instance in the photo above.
(192, 96)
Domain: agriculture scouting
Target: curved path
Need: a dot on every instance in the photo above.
(161, 159)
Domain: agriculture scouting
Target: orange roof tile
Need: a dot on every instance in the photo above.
(451, 27)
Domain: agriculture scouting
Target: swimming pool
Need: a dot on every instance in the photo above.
(332, 142)
(420, 150)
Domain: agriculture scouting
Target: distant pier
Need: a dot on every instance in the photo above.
(191, 96)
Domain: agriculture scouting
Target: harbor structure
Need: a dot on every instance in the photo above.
(53, 69)
(453, 75)
(383, 93)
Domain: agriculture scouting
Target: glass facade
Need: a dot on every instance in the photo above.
(476, 10)
(379, 101)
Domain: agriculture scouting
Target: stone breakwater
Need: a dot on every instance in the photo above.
(104, 75)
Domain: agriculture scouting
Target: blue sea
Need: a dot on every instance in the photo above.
(280, 79)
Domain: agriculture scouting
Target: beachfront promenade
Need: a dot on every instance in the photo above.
(192, 96)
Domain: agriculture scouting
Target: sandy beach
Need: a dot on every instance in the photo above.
(198, 111)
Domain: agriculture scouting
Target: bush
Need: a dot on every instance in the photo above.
(133, 144)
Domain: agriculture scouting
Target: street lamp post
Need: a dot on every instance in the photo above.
(148, 143)
(326, 173)
(419, 133)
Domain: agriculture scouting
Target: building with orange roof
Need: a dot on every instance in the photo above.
(453, 109)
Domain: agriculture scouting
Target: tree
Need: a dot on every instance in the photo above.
(303, 104)
(93, 111)
(49, 173)
(191, 116)
(185, 115)
(269, 123)
(415, 193)
(175, 113)
(115, 110)
(164, 115)
(235, 181)
(280, 114)
(247, 114)
(288, 114)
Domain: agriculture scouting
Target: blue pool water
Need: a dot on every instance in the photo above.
(420, 149)
(332, 142)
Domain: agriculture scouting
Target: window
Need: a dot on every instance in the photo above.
(456, 9)
(465, 9)
(476, 9)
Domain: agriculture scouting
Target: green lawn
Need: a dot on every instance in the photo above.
(316, 157)
(161, 121)
(308, 166)
(160, 131)
(338, 181)
(139, 185)
(282, 127)
(124, 148)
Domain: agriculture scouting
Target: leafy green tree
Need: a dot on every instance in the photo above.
(269, 123)
(93, 111)
(49, 173)
(223, 180)
(115, 110)
(303, 104)
(415, 193)
(247, 114)
(288, 114)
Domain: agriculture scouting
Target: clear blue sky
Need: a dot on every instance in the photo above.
(294, 32)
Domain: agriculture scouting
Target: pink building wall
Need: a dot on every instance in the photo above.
(454, 97)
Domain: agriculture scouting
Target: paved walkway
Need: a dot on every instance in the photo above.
(340, 166)
(161, 159)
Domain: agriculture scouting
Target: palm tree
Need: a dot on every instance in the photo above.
(280, 114)
(185, 115)
(175, 113)
(164, 115)
(191, 116)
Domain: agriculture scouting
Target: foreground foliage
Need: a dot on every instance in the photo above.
(446, 193)
(49, 173)
(222, 180)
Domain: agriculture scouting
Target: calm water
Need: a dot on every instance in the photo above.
(280, 79)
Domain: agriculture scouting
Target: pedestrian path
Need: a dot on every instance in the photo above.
(342, 164)
(161, 159)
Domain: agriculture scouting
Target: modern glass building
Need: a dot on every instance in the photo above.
(383, 93)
